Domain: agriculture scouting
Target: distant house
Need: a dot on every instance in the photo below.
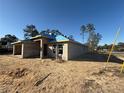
(49, 46)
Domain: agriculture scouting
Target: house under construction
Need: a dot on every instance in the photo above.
(49, 46)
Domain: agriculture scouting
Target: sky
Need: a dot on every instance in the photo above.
(65, 15)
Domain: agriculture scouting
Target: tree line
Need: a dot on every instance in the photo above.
(119, 47)
(31, 31)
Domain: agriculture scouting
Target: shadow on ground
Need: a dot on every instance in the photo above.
(98, 58)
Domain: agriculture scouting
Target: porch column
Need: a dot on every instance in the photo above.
(56, 51)
(22, 51)
(41, 49)
(13, 49)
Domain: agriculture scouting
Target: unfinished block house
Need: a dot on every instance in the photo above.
(49, 46)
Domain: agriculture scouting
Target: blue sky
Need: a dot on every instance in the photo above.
(65, 15)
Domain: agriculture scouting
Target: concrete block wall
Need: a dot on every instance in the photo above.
(30, 49)
(76, 50)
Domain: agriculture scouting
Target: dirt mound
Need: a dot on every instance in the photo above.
(15, 73)
(99, 80)
(91, 86)
(109, 71)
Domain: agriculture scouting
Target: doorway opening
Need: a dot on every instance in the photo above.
(45, 49)
(18, 49)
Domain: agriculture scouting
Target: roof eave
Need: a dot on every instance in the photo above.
(40, 36)
(16, 42)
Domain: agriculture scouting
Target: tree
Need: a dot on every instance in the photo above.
(121, 44)
(45, 32)
(93, 38)
(49, 32)
(83, 31)
(30, 31)
(8, 39)
(71, 37)
(89, 28)
(105, 46)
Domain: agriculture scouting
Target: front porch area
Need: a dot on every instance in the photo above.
(30, 49)
(40, 48)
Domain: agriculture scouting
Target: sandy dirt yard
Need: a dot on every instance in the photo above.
(48, 76)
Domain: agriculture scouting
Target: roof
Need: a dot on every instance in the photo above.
(62, 38)
(59, 38)
(41, 36)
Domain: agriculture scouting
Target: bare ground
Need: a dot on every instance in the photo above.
(48, 76)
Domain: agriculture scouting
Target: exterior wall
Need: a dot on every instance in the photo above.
(53, 55)
(30, 49)
(76, 50)
(70, 50)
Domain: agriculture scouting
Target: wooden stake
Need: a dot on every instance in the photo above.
(117, 34)
(122, 67)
